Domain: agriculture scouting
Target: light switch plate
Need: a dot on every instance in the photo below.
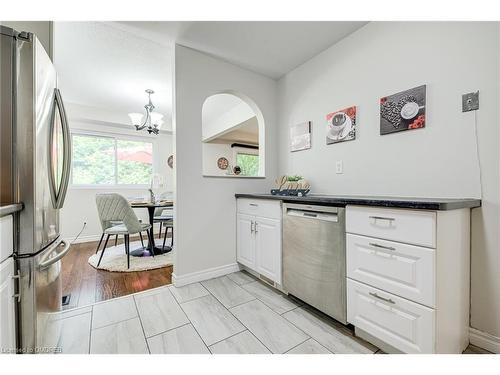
(339, 167)
(470, 101)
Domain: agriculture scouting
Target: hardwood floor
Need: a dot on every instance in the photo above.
(88, 285)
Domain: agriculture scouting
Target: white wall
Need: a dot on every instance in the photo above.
(79, 206)
(205, 206)
(211, 153)
(439, 161)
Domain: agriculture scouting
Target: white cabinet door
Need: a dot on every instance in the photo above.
(7, 317)
(268, 248)
(6, 237)
(245, 241)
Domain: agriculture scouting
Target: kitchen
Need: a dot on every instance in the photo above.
(395, 270)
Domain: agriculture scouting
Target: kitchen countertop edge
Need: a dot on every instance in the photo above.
(9, 209)
(435, 204)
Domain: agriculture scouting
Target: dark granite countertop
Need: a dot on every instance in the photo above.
(10, 208)
(438, 204)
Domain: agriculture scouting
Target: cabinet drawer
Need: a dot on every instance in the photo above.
(259, 207)
(6, 237)
(405, 270)
(405, 325)
(408, 226)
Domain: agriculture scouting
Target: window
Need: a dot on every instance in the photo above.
(99, 160)
(249, 163)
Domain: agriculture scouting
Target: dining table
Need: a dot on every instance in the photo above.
(151, 207)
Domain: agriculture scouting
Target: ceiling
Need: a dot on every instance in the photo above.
(108, 65)
(270, 48)
(102, 66)
(247, 133)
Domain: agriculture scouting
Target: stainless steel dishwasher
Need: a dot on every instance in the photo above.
(314, 257)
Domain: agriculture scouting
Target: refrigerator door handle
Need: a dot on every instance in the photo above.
(50, 259)
(59, 193)
(67, 149)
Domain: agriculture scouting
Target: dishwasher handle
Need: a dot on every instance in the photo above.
(315, 215)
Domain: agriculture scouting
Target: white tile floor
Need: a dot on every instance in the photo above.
(229, 314)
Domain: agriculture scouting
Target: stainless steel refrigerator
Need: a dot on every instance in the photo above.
(36, 172)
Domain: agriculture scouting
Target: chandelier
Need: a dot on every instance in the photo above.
(152, 121)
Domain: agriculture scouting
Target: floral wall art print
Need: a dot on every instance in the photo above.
(403, 111)
(341, 126)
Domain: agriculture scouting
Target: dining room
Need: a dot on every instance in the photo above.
(119, 209)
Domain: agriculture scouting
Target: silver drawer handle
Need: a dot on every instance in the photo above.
(381, 218)
(381, 298)
(382, 246)
(254, 205)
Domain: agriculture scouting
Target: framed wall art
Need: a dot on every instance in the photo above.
(403, 111)
(300, 136)
(341, 125)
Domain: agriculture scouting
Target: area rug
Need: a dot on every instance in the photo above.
(115, 260)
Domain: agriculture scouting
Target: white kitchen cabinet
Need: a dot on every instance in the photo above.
(402, 269)
(268, 248)
(258, 233)
(7, 308)
(405, 325)
(6, 237)
(246, 240)
(408, 278)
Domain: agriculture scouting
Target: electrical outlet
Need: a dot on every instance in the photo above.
(339, 168)
(470, 101)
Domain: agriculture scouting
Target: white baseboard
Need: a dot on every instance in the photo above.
(81, 239)
(484, 340)
(204, 275)
(97, 237)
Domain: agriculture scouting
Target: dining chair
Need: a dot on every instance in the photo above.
(168, 224)
(113, 223)
(113, 207)
(162, 215)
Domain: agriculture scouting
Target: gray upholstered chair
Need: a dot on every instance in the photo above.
(113, 223)
(168, 224)
(162, 215)
(114, 208)
(165, 216)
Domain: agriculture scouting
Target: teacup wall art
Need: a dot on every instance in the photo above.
(341, 126)
(403, 111)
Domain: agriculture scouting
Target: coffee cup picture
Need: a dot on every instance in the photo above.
(341, 125)
(403, 111)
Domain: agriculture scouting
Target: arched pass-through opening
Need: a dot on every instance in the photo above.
(233, 136)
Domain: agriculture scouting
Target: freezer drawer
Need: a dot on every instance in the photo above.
(41, 298)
